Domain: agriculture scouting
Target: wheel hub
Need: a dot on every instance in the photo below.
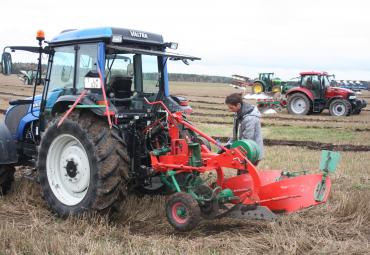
(68, 169)
(257, 88)
(71, 168)
(299, 105)
(339, 109)
(181, 212)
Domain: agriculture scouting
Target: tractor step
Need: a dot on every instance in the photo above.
(318, 105)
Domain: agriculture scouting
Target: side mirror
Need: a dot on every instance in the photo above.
(6, 63)
(92, 80)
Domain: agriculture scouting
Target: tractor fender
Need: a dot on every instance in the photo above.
(332, 99)
(25, 121)
(63, 102)
(305, 91)
(8, 148)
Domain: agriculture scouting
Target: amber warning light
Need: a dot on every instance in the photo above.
(40, 35)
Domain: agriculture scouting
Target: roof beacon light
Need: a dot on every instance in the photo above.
(173, 45)
(40, 35)
(117, 39)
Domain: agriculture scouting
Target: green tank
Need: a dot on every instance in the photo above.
(250, 146)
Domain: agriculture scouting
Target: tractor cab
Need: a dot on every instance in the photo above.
(265, 76)
(317, 83)
(131, 65)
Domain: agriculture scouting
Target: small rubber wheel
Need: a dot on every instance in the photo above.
(183, 211)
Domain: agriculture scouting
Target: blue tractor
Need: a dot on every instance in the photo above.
(90, 132)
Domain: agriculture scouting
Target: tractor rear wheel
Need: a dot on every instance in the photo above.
(6, 178)
(340, 107)
(83, 165)
(299, 104)
(183, 211)
(258, 88)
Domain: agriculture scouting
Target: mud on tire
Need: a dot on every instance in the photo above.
(107, 169)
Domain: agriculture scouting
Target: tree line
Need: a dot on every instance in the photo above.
(198, 78)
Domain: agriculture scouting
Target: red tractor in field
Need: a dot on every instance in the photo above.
(314, 94)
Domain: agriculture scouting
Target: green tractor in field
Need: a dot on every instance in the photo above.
(266, 83)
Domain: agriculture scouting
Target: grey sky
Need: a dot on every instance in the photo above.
(244, 37)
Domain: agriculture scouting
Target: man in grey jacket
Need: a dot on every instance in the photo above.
(247, 124)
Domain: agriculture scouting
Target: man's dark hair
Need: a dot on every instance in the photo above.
(234, 99)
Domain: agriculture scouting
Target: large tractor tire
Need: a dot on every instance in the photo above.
(6, 178)
(299, 104)
(83, 165)
(258, 88)
(340, 107)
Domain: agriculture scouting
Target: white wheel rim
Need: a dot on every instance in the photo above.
(68, 169)
(339, 109)
(299, 105)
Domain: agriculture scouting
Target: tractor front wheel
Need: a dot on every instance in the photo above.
(183, 211)
(299, 104)
(258, 88)
(83, 165)
(6, 178)
(340, 107)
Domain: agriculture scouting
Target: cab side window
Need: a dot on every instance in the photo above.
(86, 61)
(61, 74)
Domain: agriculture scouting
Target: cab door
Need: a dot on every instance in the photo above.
(313, 83)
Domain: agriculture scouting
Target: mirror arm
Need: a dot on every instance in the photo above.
(38, 76)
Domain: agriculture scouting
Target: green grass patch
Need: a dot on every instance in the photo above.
(309, 134)
(215, 130)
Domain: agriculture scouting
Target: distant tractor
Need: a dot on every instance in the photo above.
(314, 94)
(266, 83)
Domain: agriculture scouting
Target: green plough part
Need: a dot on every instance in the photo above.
(328, 164)
(329, 161)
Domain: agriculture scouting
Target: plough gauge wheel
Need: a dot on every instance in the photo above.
(182, 211)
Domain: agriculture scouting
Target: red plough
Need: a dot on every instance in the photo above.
(253, 194)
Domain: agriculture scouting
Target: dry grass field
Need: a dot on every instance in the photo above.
(341, 226)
